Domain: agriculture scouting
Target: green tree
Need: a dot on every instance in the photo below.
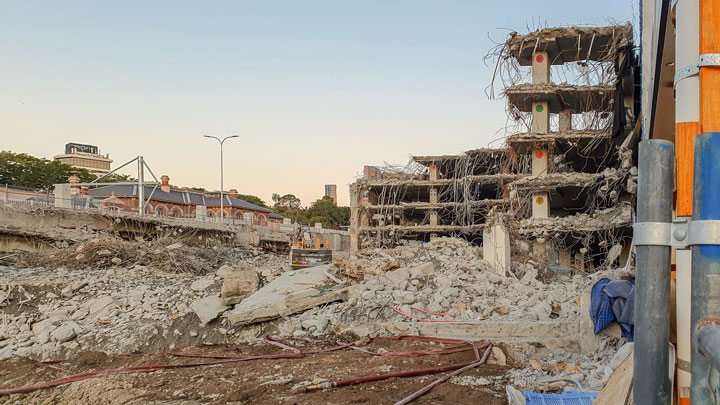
(21, 169)
(287, 200)
(288, 206)
(252, 199)
(328, 213)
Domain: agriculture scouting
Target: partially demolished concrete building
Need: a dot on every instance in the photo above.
(559, 193)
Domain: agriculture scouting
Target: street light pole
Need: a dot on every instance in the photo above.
(221, 142)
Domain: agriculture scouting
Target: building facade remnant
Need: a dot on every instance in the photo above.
(562, 187)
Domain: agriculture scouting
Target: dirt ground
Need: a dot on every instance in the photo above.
(263, 381)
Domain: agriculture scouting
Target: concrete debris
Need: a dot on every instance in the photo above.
(120, 309)
(621, 354)
(290, 293)
(497, 357)
(238, 285)
(208, 308)
(446, 279)
(201, 284)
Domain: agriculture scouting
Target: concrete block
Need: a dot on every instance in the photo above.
(208, 308)
(63, 196)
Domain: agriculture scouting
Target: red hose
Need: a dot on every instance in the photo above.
(294, 353)
(430, 386)
(380, 377)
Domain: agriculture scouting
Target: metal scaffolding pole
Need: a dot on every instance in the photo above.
(141, 186)
(705, 304)
(651, 381)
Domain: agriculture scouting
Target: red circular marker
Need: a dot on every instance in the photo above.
(539, 59)
(539, 154)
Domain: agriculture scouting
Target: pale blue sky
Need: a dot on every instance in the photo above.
(315, 89)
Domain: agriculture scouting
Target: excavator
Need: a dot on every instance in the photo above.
(308, 252)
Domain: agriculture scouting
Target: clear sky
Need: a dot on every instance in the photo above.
(314, 89)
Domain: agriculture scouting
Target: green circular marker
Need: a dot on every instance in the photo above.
(539, 108)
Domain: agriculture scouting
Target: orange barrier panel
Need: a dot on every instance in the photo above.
(710, 75)
(684, 146)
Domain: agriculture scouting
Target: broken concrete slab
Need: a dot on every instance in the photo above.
(560, 97)
(288, 294)
(66, 332)
(238, 285)
(569, 44)
(396, 278)
(208, 308)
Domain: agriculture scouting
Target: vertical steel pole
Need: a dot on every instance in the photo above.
(141, 186)
(651, 381)
(705, 265)
(222, 212)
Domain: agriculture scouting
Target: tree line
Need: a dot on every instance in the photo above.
(323, 211)
(23, 170)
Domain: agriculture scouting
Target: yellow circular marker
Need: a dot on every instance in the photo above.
(539, 200)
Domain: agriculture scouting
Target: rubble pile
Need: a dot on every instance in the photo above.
(49, 312)
(559, 370)
(445, 279)
(167, 255)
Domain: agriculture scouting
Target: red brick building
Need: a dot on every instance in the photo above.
(168, 201)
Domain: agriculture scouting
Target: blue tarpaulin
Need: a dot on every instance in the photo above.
(611, 301)
(566, 398)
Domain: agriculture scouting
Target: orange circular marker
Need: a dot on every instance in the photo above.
(539, 59)
(539, 200)
(539, 154)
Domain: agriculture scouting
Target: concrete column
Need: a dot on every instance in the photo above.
(433, 172)
(540, 205)
(496, 246)
(433, 218)
(539, 162)
(540, 68)
(433, 195)
(565, 120)
(540, 117)
(354, 217)
(540, 125)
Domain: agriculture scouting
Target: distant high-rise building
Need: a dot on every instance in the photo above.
(85, 157)
(331, 191)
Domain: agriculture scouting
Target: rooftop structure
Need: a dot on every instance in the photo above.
(85, 157)
(183, 203)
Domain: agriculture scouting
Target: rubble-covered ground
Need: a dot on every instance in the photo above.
(447, 279)
(109, 298)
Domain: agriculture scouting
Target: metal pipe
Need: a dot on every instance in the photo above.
(705, 304)
(222, 214)
(651, 382)
(141, 186)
